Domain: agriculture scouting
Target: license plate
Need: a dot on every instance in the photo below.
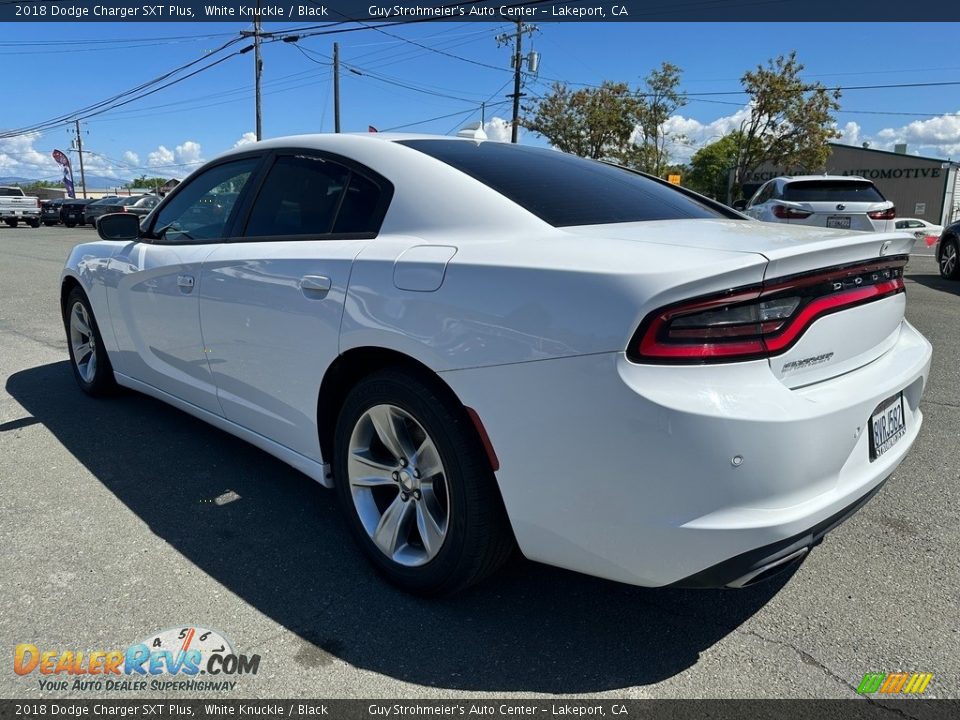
(839, 221)
(18, 212)
(887, 426)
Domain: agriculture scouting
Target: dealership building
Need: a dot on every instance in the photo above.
(921, 187)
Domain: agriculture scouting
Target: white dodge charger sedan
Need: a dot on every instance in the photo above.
(484, 346)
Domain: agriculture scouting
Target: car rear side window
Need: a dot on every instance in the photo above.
(563, 189)
(300, 196)
(831, 191)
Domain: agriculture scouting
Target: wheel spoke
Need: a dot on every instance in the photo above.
(391, 530)
(81, 351)
(391, 431)
(427, 459)
(431, 534)
(364, 471)
(80, 322)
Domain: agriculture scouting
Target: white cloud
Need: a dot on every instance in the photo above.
(160, 156)
(850, 134)
(937, 136)
(246, 139)
(18, 156)
(131, 158)
(696, 134)
(498, 129)
(188, 153)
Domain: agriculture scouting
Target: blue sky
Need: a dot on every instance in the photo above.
(54, 68)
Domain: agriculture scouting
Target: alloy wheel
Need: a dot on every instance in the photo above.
(948, 260)
(83, 343)
(398, 485)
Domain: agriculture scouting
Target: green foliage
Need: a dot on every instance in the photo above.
(593, 122)
(790, 120)
(146, 182)
(710, 166)
(613, 122)
(37, 184)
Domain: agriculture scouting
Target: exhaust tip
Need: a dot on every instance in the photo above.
(768, 570)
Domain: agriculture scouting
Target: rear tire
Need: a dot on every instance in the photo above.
(949, 259)
(11, 222)
(70, 224)
(88, 356)
(33, 223)
(431, 520)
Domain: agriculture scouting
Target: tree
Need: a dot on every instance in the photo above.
(790, 120)
(593, 122)
(146, 182)
(659, 98)
(710, 166)
(38, 184)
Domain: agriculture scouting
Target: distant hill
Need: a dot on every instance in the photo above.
(93, 181)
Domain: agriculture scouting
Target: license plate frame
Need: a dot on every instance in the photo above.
(887, 425)
(838, 222)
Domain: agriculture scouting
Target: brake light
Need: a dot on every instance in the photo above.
(889, 214)
(760, 320)
(789, 213)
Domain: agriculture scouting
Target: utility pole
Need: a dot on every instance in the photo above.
(517, 63)
(83, 177)
(258, 70)
(336, 87)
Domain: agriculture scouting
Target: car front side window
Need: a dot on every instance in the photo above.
(201, 209)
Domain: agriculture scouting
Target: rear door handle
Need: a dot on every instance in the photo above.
(185, 282)
(315, 286)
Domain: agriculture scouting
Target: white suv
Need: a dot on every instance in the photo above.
(833, 201)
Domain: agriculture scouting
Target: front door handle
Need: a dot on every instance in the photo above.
(315, 286)
(185, 282)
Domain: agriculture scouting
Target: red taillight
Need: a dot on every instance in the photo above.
(888, 214)
(789, 213)
(760, 320)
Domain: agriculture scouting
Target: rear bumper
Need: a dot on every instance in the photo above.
(765, 562)
(631, 472)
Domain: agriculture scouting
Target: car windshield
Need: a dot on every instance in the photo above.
(129, 200)
(563, 189)
(832, 191)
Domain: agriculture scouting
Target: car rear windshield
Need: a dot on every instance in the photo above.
(11, 192)
(562, 189)
(832, 191)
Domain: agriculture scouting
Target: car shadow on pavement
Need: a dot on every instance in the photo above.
(283, 548)
(935, 282)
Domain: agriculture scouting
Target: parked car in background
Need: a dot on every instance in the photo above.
(92, 210)
(480, 344)
(920, 228)
(143, 205)
(832, 201)
(947, 252)
(50, 211)
(15, 205)
(137, 204)
(71, 213)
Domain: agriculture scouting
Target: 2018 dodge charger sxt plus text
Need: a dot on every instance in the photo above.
(482, 345)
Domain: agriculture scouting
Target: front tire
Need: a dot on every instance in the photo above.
(88, 356)
(416, 485)
(949, 260)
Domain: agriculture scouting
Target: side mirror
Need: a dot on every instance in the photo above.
(740, 205)
(119, 226)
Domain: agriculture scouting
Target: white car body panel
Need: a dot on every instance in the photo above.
(607, 466)
(260, 324)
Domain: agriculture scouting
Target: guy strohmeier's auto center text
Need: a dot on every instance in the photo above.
(84, 11)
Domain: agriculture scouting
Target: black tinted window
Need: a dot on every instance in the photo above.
(358, 210)
(300, 196)
(831, 191)
(563, 189)
(200, 210)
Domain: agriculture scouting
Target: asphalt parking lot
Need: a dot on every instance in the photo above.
(113, 527)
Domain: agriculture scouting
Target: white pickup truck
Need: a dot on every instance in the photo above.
(16, 206)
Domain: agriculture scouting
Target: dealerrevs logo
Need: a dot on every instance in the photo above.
(183, 653)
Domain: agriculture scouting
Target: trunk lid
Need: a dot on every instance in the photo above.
(835, 343)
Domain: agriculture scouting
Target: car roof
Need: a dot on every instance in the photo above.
(802, 178)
